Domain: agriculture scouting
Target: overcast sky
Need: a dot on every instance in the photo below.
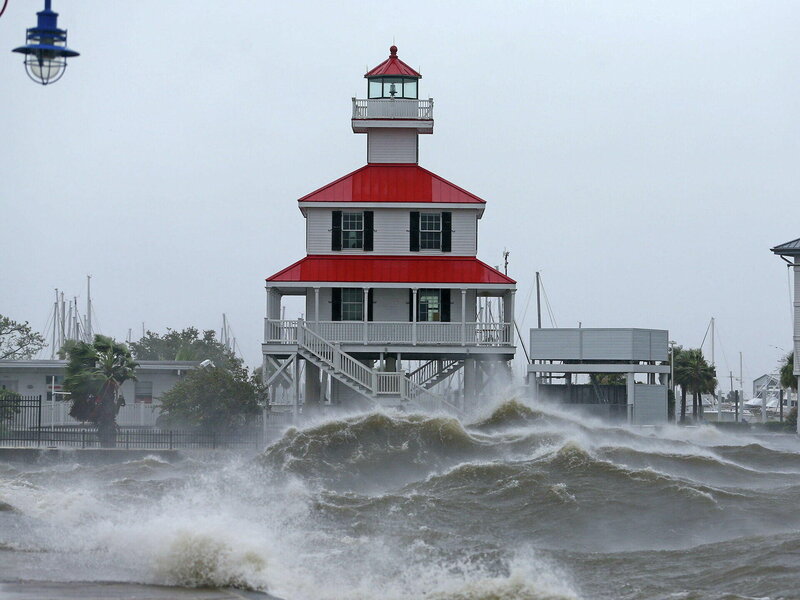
(642, 156)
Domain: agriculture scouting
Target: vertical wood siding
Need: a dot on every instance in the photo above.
(391, 234)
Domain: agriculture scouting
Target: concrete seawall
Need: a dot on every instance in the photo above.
(83, 455)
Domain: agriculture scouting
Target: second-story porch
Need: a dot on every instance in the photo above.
(411, 305)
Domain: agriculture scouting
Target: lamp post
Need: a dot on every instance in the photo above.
(46, 50)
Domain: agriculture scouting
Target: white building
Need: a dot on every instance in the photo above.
(42, 377)
(639, 356)
(790, 252)
(396, 300)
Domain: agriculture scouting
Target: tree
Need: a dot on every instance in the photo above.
(186, 344)
(18, 340)
(212, 399)
(788, 378)
(694, 375)
(94, 374)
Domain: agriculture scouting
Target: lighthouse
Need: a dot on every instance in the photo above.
(399, 311)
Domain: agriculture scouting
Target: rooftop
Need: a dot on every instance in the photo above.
(393, 66)
(391, 269)
(392, 183)
(789, 248)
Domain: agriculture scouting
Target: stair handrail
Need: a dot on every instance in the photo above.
(335, 357)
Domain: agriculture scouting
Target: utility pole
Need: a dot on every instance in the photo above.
(538, 303)
(736, 398)
(505, 259)
(741, 381)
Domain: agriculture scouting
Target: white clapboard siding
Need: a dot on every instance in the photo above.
(392, 146)
(391, 235)
(390, 304)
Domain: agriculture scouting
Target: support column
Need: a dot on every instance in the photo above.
(366, 315)
(630, 388)
(470, 383)
(463, 317)
(296, 385)
(414, 317)
(313, 387)
(316, 307)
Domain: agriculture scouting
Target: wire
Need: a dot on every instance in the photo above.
(2, 10)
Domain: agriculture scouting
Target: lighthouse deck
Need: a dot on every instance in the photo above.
(420, 338)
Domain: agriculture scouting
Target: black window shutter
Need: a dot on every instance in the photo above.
(369, 304)
(369, 222)
(336, 231)
(336, 303)
(414, 230)
(447, 231)
(410, 306)
(445, 306)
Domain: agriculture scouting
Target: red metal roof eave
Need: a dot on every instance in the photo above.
(391, 269)
(382, 174)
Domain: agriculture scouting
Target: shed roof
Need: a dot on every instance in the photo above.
(789, 248)
(393, 66)
(392, 183)
(391, 269)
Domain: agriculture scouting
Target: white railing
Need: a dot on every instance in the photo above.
(280, 331)
(376, 383)
(393, 109)
(394, 332)
(430, 370)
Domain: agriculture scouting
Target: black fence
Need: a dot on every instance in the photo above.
(21, 425)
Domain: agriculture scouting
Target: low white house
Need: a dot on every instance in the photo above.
(43, 377)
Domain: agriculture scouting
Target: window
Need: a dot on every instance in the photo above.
(352, 230)
(430, 231)
(352, 304)
(430, 305)
(143, 392)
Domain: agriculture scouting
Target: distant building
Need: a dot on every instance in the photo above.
(766, 386)
(142, 397)
(627, 371)
(790, 252)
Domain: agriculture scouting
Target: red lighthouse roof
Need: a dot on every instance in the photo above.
(392, 183)
(393, 66)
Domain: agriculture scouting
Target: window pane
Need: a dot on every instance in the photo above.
(352, 239)
(375, 88)
(392, 84)
(352, 230)
(430, 222)
(430, 240)
(429, 305)
(352, 304)
(410, 88)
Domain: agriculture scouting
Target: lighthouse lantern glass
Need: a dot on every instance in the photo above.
(383, 87)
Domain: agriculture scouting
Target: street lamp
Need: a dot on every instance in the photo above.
(46, 52)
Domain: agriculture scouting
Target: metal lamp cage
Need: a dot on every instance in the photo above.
(46, 50)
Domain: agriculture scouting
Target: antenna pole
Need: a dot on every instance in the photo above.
(538, 302)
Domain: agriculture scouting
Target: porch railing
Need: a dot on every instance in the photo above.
(394, 332)
(393, 109)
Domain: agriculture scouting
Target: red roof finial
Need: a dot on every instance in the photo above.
(393, 51)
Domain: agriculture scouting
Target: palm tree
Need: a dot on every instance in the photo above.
(94, 374)
(788, 378)
(694, 375)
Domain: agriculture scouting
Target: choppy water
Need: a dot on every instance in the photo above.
(523, 504)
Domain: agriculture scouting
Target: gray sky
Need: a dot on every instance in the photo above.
(643, 156)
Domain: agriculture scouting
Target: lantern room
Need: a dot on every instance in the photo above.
(393, 79)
